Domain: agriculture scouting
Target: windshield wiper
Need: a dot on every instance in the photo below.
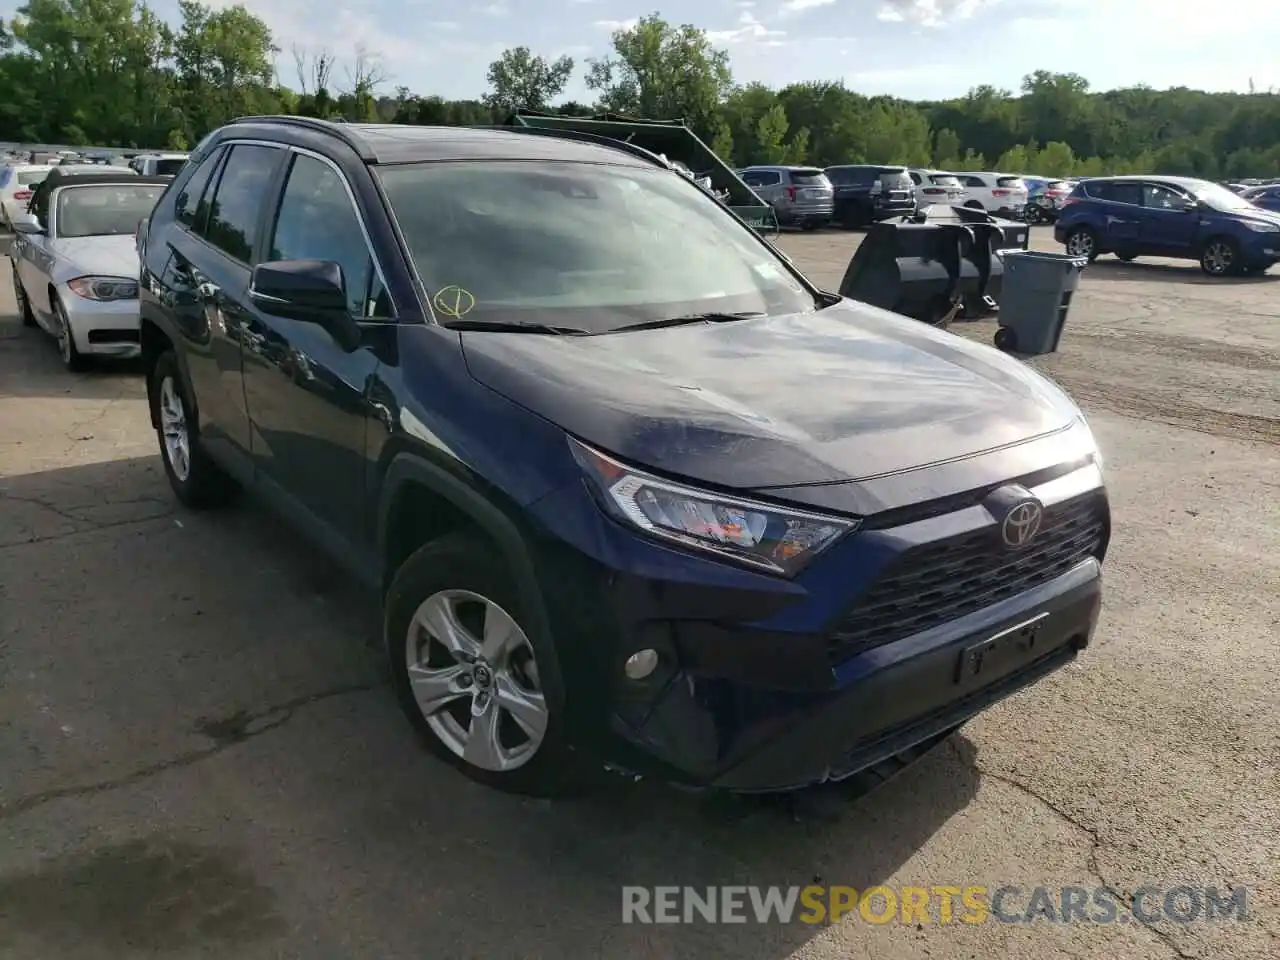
(687, 318)
(506, 326)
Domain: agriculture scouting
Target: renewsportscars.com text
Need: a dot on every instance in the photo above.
(942, 904)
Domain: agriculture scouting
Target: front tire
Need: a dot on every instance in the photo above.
(24, 305)
(1220, 257)
(482, 689)
(72, 358)
(196, 480)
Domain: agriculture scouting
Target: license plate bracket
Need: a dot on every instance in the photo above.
(991, 658)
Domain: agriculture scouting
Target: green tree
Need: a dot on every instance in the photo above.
(521, 80)
(663, 71)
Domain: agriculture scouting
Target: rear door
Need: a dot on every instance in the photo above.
(977, 189)
(1168, 227)
(1121, 221)
(221, 215)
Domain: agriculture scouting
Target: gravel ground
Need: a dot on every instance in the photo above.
(201, 757)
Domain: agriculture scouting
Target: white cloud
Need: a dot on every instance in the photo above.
(930, 13)
(749, 30)
(613, 25)
(799, 6)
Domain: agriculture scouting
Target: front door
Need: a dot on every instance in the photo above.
(306, 394)
(1168, 227)
(1123, 215)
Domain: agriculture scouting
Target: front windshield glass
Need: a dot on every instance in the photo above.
(590, 246)
(1220, 198)
(105, 210)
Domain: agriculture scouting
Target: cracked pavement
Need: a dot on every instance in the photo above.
(199, 756)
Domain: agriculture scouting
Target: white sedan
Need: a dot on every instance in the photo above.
(75, 264)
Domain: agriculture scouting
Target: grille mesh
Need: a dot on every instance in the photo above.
(939, 582)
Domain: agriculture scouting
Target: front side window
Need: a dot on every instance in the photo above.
(591, 246)
(105, 210)
(1161, 198)
(239, 199)
(317, 221)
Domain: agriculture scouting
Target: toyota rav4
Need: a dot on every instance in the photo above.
(635, 493)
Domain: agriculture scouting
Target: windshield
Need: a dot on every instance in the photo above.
(591, 246)
(169, 167)
(106, 210)
(1220, 198)
(810, 178)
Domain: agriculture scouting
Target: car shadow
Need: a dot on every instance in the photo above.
(1108, 268)
(338, 796)
(30, 367)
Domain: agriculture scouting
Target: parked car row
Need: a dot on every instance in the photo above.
(855, 195)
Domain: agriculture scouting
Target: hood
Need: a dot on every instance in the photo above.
(847, 393)
(114, 256)
(1260, 213)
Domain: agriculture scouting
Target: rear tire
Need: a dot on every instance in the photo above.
(196, 480)
(448, 674)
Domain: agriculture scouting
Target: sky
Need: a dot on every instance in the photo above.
(917, 49)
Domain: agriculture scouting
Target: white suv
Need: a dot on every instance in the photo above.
(18, 182)
(158, 164)
(1000, 193)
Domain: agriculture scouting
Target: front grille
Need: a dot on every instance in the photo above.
(943, 581)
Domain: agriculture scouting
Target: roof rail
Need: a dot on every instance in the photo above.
(599, 139)
(339, 130)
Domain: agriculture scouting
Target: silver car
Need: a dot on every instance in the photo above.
(800, 196)
(75, 263)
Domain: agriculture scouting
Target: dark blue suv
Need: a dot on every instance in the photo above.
(634, 493)
(1169, 217)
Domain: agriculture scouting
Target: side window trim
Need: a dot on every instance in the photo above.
(277, 200)
(196, 227)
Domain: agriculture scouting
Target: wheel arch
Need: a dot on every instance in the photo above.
(154, 342)
(411, 483)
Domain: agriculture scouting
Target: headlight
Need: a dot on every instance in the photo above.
(1257, 226)
(104, 288)
(760, 535)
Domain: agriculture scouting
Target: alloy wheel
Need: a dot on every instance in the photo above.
(173, 426)
(1218, 258)
(474, 677)
(1080, 244)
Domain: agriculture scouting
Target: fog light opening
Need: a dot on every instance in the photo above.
(641, 664)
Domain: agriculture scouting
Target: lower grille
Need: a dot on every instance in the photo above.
(943, 581)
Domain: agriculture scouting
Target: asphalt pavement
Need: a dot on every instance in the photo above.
(200, 756)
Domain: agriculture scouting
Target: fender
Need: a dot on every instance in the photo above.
(405, 468)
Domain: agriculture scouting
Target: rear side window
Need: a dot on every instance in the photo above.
(810, 178)
(27, 177)
(916, 178)
(944, 180)
(1011, 183)
(839, 175)
(970, 180)
(238, 201)
(189, 197)
(761, 178)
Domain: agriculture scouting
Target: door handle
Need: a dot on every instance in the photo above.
(208, 291)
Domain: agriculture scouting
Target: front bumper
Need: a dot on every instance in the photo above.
(106, 329)
(757, 690)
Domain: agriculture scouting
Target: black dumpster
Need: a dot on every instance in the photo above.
(1037, 295)
(932, 271)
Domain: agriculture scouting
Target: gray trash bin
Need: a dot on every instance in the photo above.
(1037, 294)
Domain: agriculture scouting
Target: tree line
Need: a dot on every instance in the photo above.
(111, 73)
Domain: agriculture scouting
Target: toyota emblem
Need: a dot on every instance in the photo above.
(1021, 523)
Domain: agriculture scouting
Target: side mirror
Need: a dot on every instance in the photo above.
(27, 223)
(311, 291)
(1188, 205)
